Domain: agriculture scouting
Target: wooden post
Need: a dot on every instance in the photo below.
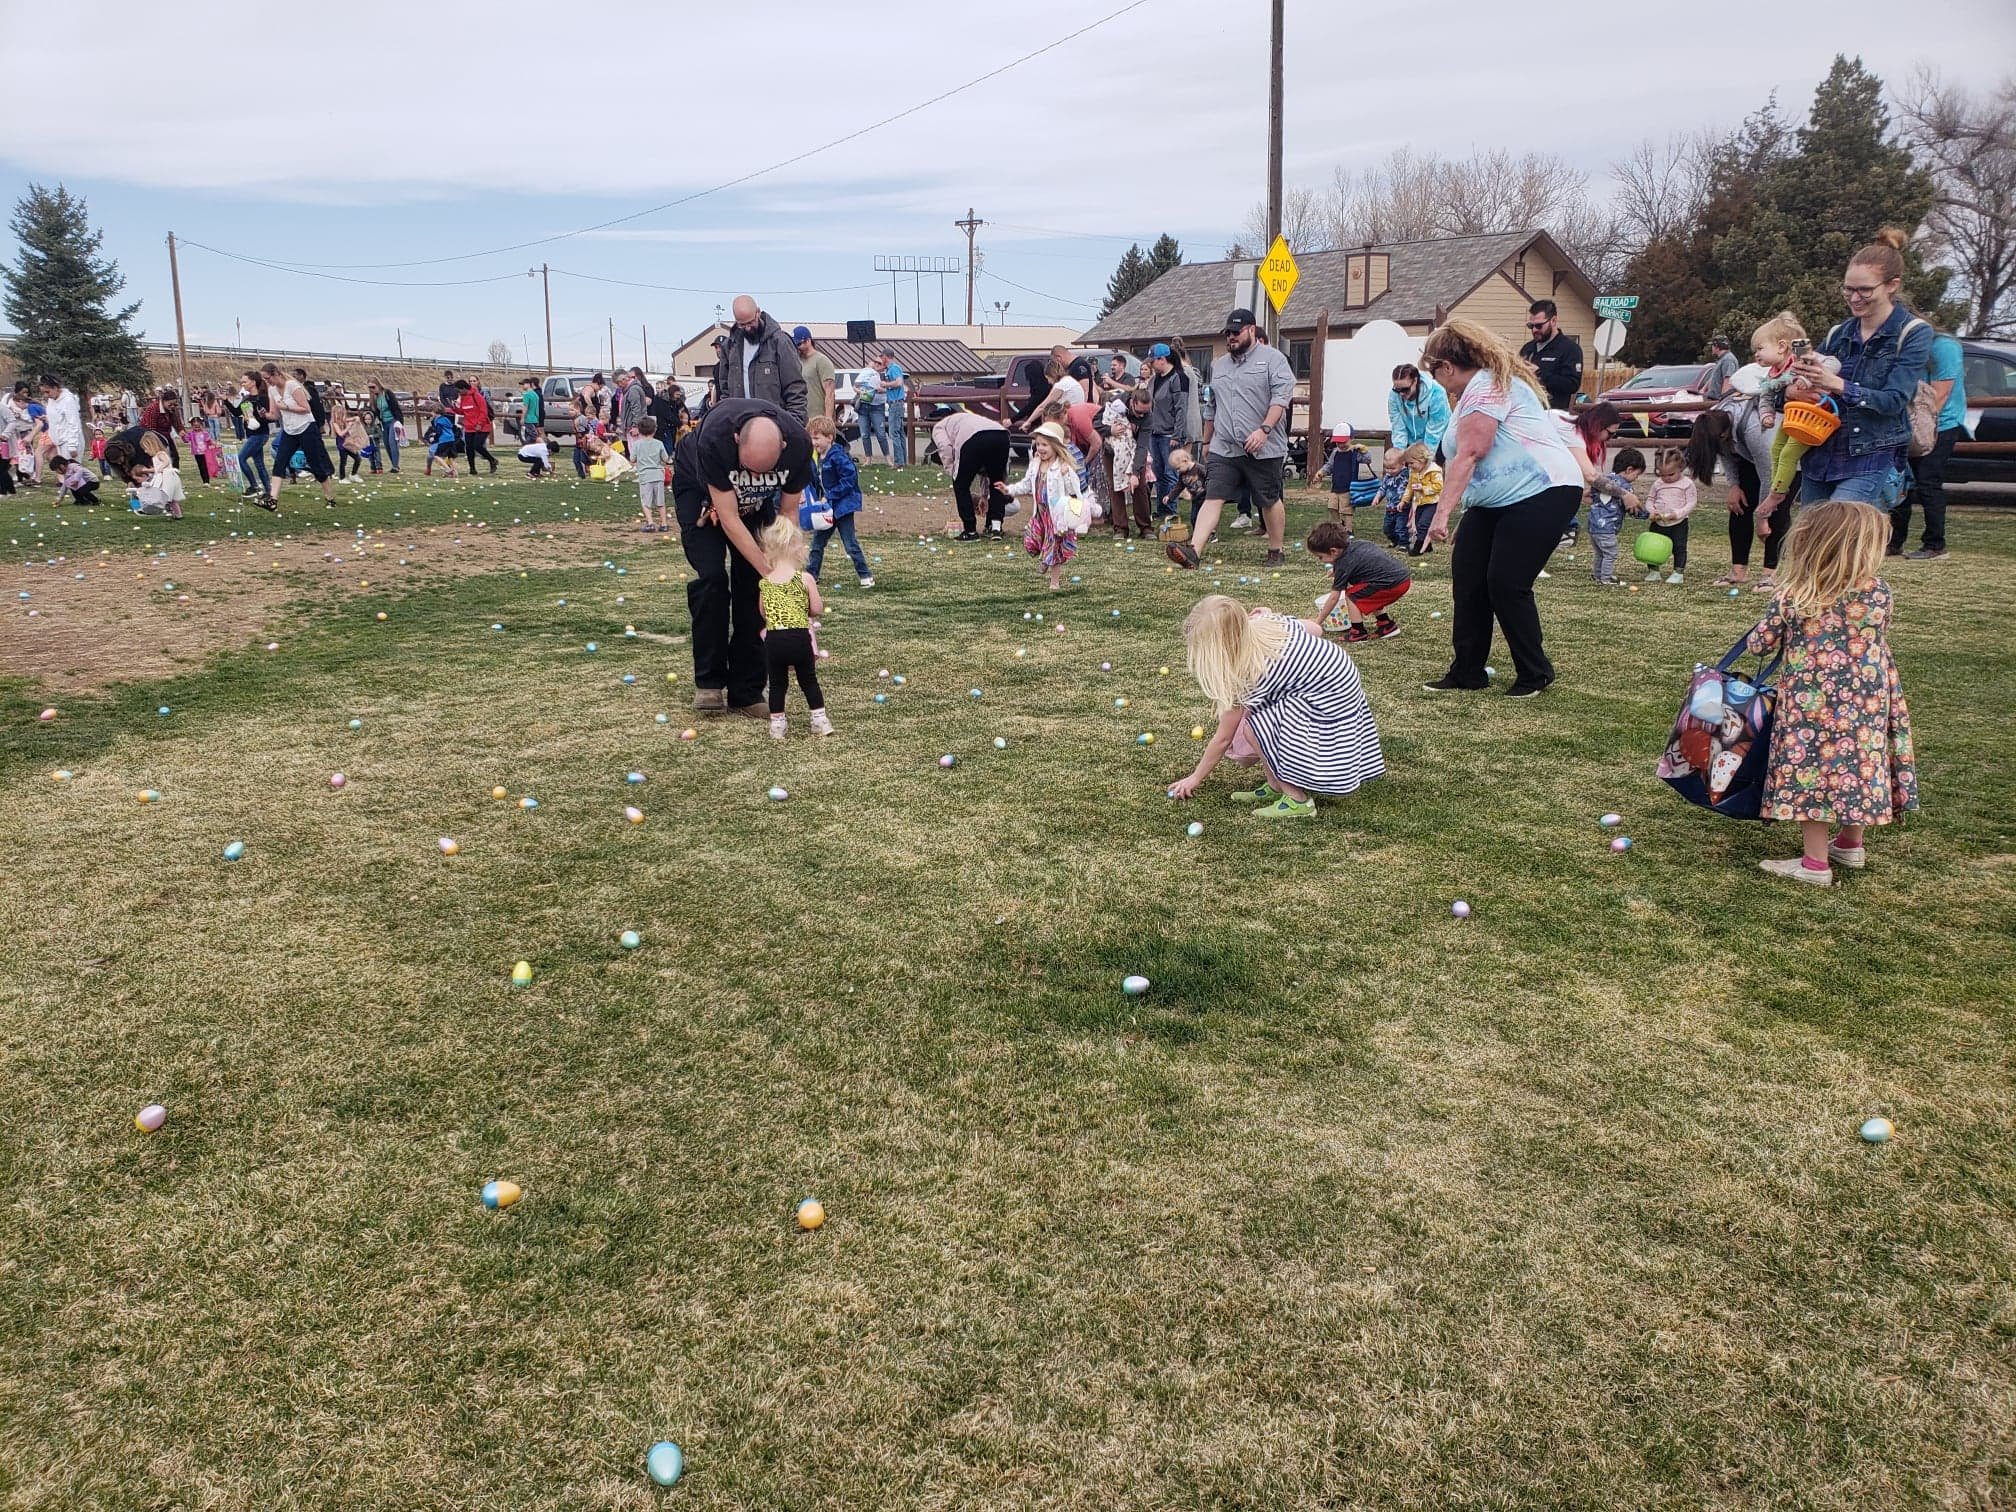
(181, 345)
(546, 281)
(1318, 432)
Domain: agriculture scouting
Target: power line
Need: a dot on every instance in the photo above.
(388, 283)
(755, 173)
(1039, 293)
(678, 289)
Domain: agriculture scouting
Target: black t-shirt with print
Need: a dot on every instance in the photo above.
(720, 462)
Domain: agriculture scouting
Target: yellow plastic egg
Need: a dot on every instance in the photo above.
(811, 1213)
(1196, 732)
(498, 792)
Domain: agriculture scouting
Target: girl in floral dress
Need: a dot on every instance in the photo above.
(1841, 740)
(1058, 509)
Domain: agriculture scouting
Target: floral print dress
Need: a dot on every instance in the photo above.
(1841, 736)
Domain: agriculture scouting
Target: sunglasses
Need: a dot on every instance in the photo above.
(1536, 325)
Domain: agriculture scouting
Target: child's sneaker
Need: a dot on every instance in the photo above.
(780, 726)
(1854, 857)
(1655, 576)
(1357, 633)
(821, 725)
(1385, 628)
(1675, 579)
(1285, 807)
(1795, 867)
(1264, 793)
(868, 578)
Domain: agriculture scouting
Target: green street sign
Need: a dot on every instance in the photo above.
(1616, 306)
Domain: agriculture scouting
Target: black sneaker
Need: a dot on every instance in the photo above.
(1450, 685)
(967, 535)
(1385, 628)
(1927, 554)
(1527, 689)
(1182, 553)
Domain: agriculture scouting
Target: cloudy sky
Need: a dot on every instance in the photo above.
(373, 153)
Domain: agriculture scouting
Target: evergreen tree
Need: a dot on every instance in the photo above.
(1164, 255)
(1129, 279)
(59, 294)
(1788, 247)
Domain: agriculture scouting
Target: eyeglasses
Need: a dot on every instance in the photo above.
(1862, 291)
(1434, 364)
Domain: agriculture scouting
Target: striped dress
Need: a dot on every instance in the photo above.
(1309, 716)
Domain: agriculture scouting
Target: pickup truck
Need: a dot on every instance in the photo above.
(991, 393)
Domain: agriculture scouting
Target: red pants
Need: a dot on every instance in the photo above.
(1376, 602)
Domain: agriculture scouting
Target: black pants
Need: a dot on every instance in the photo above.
(727, 624)
(1492, 565)
(788, 651)
(87, 494)
(1928, 474)
(477, 444)
(1743, 523)
(308, 449)
(348, 462)
(983, 456)
(1677, 534)
(6, 477)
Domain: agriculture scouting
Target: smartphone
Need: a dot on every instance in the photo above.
(1801, 347)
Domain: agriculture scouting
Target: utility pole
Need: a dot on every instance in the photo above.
(612, 343)
(181, 344)
(399, 335)
(647, 349)
(971, 224)
(1272, 321)
(546, 280)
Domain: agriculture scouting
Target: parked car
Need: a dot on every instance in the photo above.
(1988, 369)
(558, 391)
(1673, 383)
(989, 391)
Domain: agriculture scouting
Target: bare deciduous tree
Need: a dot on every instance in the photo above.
(500, 353)
(1968, 143)
(1660, 189)
(1304, 221)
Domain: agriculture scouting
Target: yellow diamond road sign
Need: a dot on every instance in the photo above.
(1278, 274)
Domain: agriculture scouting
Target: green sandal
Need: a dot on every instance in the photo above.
(1265, 793)
(1287, 808)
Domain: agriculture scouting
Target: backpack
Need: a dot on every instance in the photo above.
(1924, 409)
(317, 410)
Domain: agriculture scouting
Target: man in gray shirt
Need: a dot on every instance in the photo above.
(1724, 369)
(1246, 438)
(760, 362)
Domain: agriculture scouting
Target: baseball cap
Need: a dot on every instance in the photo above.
(801, 333)
(1341, 433)
(1160, 349)
(1238, 320)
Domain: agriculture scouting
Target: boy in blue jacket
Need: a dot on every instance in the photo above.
(839, 488)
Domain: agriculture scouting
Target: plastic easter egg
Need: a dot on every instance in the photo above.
(1119, 703)
(1193, 829)
(498, 792)
(1706, 703)
(811, 1213)
(1161, 671)
(629, 939)
(1196, 732)
(592, 646)
(973, 693)
(448, 847)
(495, 625)
(1611, 821)
(881, 698)
(337, 780)
(665, 1464)
(948, 760)
(356, 724)
(663, 718)
(381, 615)
(778, 795)
(1460, 909)
(1490, 671)
(234, 850)
(671, 677)
(633, 778)
(521, 974)
(501, 1194)
(1105, 666)
(1039, 619)
(1116, 614)
(1877, 1131)
(634, 815)
(164, 711)
(62, 774)
(528, 802)
(689, 733)
(46, 715)
(1435, 614)
(897, 680)
(1621, 844)
(1734, 592)
(1020, 652)
(145, 795)
(1146, 737)
(151, 1117)
(1134, 986)
(1000, 744)
(629, 677)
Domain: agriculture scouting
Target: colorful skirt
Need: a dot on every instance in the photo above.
(1044, 541)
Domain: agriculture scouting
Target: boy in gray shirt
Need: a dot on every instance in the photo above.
(648, 453)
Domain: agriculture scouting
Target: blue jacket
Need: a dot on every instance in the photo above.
(1424, 419)
(1883, 375)
(838, 482)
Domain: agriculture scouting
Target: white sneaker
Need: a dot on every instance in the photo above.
(1242, 522)
(868, 581)
(779, 726)
(1798, 871)
(1545, 573)
(1676, 578)
(821, 725)
(1654, 576)
(1854, 857)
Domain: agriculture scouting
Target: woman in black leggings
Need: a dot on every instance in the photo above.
(1734, 438)
(973, 447)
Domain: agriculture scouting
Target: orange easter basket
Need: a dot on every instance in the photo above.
(1811, 423)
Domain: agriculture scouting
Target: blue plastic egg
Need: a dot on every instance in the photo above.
(665, 1463)
(1877, 1131)
(629, 677)
(234, 850)
(593, 647)
(634, 778)
(881, 698)
(1706, 703)
(356, 724)
(164, 711)
(629, 939)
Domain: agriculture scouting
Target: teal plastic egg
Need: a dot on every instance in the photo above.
(665, 1463)
(234, 850)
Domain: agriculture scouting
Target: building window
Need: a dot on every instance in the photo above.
(1298, 357)
(1519, 271)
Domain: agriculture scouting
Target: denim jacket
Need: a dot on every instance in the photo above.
(1883, 375)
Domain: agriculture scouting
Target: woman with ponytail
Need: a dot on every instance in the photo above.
(1883, 351)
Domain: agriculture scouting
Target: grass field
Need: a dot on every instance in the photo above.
(1361, 1205)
